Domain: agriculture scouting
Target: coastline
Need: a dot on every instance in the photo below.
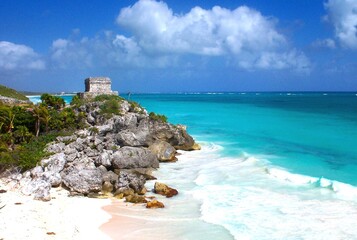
(63, 217)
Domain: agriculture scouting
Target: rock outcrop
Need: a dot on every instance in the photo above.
(112, 156)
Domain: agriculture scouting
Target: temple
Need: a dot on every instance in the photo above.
(95, 86)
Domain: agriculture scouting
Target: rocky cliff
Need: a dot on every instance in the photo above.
(112, 156)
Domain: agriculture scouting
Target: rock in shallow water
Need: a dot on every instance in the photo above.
(155, 204)
(164, 190)
(164, 151)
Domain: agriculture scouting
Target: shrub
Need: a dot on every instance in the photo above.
(27, 155)
(77, 101)
(93, 131)
(157, 117)
(135, 107)
(105, 97)
(53, 101)
(110, 107)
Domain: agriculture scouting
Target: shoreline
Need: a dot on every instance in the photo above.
(63, 217)
(125, 223)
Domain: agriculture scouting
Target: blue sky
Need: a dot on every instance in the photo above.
(176, 46)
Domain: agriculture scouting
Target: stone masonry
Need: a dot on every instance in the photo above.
(95, 86)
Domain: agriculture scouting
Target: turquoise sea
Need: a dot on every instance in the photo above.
(272, 165)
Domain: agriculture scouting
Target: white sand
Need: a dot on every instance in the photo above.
(66, 217)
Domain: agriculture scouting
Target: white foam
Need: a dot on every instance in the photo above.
(255, 200)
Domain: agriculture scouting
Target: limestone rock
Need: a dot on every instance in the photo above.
(129, 120)
(154, 204)
(128, 181)
(54, 163)
(132, 137)
(107, 187)
(132, 157)
(82, 181)
(163, 150)
(135, 199)
(39, 188)
(55, 148)
(104, 159)
(164, 190)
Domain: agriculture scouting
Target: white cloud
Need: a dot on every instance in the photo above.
(325, 43)
(242, 33)
(161, 38)
(343, 15)
(18, 57)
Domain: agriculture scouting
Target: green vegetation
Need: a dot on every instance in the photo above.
(9, 92)
(135, 107)
(77, 101)
(110, 107)
(157, 117)
(25, 130)
(52, 101)
(105, 97)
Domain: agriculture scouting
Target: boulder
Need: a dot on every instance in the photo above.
(164, 190)
(132, 157)
(110, 177)
(132, 137)
(134, 198)
(176, 136)
(54, 178)
(39, 188)
(82, 181)
(104, 159)
(129, 120)
(55, 163)
(163, 151)
(55, 147)
(36, 172)
(107, 187)
(127, 181)
(154, 204)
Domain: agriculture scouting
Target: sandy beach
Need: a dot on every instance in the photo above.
(128, 223)
(22, 217)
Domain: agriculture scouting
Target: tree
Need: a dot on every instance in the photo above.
(41, 114)
(6, 119)
(22, 134)
(53, 101)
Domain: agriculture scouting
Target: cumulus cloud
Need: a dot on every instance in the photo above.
(343, 15)
(19, 57)
(243, 33)
(161, 38)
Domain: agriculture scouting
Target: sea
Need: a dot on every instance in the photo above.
(272, 165)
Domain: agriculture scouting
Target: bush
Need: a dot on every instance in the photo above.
(135, 107)
(106, 97)
(27, 155)
(157, 117)
(77, 101)
(53, 101)
(110, 107)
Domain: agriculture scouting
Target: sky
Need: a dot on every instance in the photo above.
(179, 46)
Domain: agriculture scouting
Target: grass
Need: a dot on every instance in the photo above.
(9, 92)
(158, 117)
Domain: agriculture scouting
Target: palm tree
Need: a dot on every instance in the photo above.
(45, 117)
(7, 119)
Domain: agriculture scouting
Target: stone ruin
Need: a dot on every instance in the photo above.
(95, 86)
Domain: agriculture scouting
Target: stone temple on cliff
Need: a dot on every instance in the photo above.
(95, 86)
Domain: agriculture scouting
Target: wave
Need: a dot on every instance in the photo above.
(253, 199)
(342, 190)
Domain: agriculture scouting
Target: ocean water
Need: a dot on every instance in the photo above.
(272, 166)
